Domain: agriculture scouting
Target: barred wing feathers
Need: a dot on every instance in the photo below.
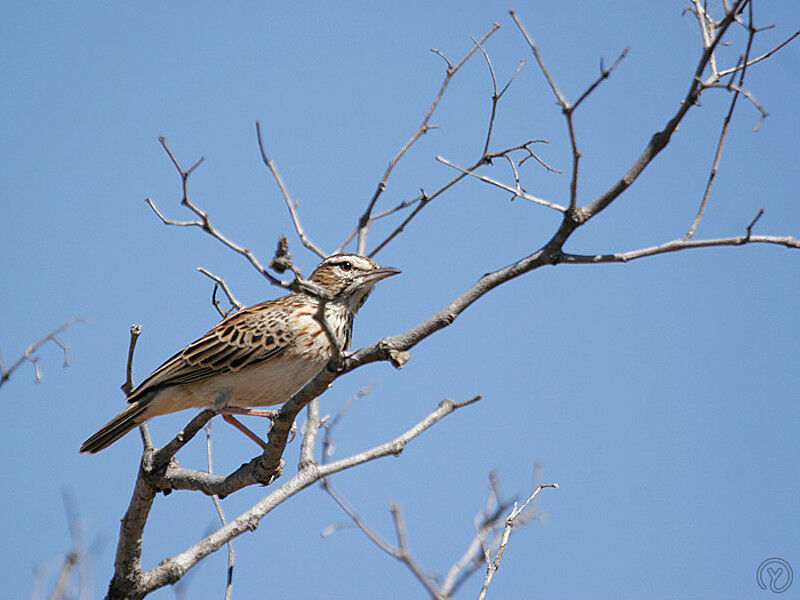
(246, 338)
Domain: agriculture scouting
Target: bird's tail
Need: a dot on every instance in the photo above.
(116, 427)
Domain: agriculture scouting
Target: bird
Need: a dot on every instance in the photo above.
(258, 356)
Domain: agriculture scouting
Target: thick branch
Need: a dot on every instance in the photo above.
(172, 569)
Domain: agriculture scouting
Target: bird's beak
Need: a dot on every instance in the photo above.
(380, 273)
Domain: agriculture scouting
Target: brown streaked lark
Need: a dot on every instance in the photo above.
(259, 356)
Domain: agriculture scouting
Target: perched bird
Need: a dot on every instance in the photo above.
(259, 356)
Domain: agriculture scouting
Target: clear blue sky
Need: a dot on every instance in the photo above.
(662, 395)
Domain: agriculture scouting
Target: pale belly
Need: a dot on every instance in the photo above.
(272, 382)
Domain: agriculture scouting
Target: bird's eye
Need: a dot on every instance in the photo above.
(346, 266)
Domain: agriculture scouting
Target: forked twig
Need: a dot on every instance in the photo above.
(28, 355)
(423, 200)
(365, 221)
(517, 192)
(220, 282)
(204, 222)
(496, 95)
(725, 72)
(567, 109)
(515, 512)
(725, 125)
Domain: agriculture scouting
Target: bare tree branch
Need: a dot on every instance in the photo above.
(725, 124)
(127, 386)
(725, 72)
(290, 204)
(373, 218)
(299, 284)
(484, 159)
(364, 221)
(29, 356)
(203, 221)
(358, 521)
(566, 108)
(496, 95)
(492, 568)
(219, 281)
(516, 192)
(486, 522)
(679, 244)
(160, 471)
(130, 582)
(660, 139)
(222, 519)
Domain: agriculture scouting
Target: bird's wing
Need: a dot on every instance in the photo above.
(245, 338)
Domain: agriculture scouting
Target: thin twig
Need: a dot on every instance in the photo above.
(28, 356)
(297, 285)
(724, 133)
(373, 535)
(389, 211)
(329, 424)
(485, 521)
(425, 199)
(290, 204)
(707, 26)
(725, 72)
(604, 74)
(753, 223)
(219, 281)
(492, 568)
(562, 101)
(732, 87)
(496, 95)
(677, 245)
(221, 514)
(517, 192)
(405, 552)
(204, 222)
(566, 108)
(136, 331)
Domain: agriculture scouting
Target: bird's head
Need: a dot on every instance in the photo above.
(350, 277)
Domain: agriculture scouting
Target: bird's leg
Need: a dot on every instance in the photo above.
(241, 427)
(253, 412)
